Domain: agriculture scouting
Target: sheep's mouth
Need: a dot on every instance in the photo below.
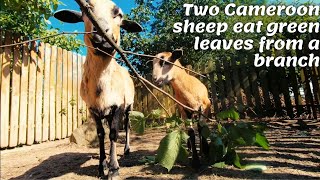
(101, 44)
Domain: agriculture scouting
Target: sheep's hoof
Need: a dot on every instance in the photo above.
(195, 163)
(113, 174)
(126, 151)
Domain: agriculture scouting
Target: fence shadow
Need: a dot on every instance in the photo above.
(61, 164)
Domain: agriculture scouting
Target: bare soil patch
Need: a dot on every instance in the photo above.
(294, 154)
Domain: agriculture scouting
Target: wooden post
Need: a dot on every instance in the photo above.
(230, 93)
(74, 91)
(15, 94)
(59, 111)
(221, 86)
(46, 93)
(53, 70)
(32, 94)
(5, 92)
(39, 91)
(69, 93)
(65, 94)
(79, 100)
(23, 111)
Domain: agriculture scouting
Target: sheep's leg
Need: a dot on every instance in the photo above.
(195, 163)
(113, 121)
(101, 135)
(127, 128)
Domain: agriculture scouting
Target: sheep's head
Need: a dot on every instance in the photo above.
(163, 72)
(111, 18)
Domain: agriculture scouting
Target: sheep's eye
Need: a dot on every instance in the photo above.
(116, 12)
(161, 61)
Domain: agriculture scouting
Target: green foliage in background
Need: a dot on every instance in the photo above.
(30, 18)
(158, 18)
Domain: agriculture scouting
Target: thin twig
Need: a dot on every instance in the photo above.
(150, 56)
(187, 69)
(87, 9)
(45, 37)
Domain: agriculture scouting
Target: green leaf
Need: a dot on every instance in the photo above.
(147, 160)
(231, 113)
(155, 114)
(170, 148)
(255, 167)
(262, 141)
(205, 132)
(138, 121)
(219, 165)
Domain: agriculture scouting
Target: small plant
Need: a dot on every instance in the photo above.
(223, 141)
(138, 120)
(63, 111)
(72, 102)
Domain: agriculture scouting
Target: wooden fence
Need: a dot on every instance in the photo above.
(40, 98)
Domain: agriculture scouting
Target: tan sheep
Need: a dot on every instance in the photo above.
(187, 89)
(106, 87)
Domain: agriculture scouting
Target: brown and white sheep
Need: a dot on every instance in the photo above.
(187, 89)
(106, 87)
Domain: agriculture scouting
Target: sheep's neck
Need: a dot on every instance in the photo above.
(97, 64)
(180, 80)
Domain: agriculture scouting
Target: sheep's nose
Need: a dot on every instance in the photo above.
(154, 79)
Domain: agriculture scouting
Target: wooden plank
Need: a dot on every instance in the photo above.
(221, 86)
(53, 71)
(39, 94)
(5, 92)
(79, 100)
(15, 94)
(214, 97)
(32, 94)
(284, 86)
(245, 80)
(70, 56)
(59, 111)
(255, 87)
(65, 94)
(46, 93)
(236, 82)
(74, 91)
(230, 93)
(1, 56)
(24, 96)
(85, 108)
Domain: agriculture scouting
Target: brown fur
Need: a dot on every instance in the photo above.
(187, 89)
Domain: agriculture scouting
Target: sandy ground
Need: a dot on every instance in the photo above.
(294, 154)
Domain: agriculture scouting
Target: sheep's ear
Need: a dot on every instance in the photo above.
(176, 54)
(131, 26)
(68, 16)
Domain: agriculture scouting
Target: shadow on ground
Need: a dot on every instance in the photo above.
(61, 164)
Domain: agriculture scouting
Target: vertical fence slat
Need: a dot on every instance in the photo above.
(65, 94)
(59, 111)
(46, 93)
(39, 86)
(78, 90)
(24, 96)
(1, 56)
(230, 93)
(15, 95)
(31, 95)
(74, 91)
(53, 69)
(86, 112)
(5, 92)
(69, 93)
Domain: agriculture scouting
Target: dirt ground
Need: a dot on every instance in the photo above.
(294, 154)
